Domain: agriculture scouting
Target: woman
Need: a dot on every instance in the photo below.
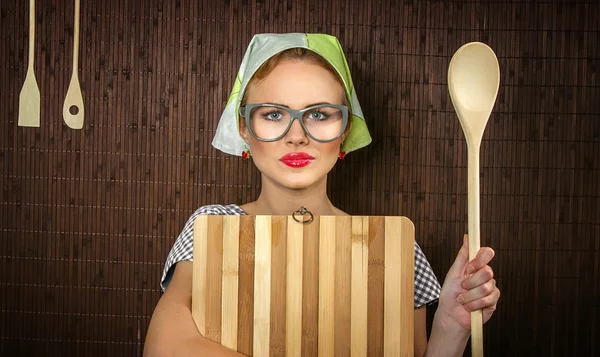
(305, 76)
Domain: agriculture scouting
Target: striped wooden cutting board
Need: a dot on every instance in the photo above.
(337, 286)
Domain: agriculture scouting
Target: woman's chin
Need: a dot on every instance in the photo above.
(295, 178)
(298, 181)
(297, 184)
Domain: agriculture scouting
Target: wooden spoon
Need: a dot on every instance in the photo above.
(29, 99)
(473, 80)
(73, 111)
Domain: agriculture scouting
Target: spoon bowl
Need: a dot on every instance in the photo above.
(473, 81)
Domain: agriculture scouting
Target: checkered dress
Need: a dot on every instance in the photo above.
(427, 287)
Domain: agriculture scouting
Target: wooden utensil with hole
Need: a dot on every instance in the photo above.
(473, 81)
(29, 99)
(73, 110)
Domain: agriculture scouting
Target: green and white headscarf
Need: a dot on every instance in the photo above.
(261, 48)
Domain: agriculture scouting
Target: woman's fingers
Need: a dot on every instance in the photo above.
(483, 257)
(480, 277)
(487, 303)
(478, 292)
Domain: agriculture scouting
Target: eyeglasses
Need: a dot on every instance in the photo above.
(270, 122)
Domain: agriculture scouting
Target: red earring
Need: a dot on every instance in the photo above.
(246, 154)
(342, 155)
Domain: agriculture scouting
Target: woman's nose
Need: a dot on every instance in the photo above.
(296, 134)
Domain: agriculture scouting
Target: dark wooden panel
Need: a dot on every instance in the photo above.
(88, 217)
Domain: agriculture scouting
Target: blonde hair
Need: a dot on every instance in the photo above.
(298, 54)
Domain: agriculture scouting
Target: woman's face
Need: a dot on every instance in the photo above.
(295, 161)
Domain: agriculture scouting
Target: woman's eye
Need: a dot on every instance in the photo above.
(317, 116)
(274, 115)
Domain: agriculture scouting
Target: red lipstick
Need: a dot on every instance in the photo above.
(297, 159)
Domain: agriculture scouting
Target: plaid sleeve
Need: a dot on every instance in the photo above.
(427, 287)
(183, 248)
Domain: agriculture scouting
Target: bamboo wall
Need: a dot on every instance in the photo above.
(88, 216)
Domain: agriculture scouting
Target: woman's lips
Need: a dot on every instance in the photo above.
(297, 159)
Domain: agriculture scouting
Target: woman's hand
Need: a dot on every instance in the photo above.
(469, 286)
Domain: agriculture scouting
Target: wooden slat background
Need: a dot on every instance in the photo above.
(88, 217)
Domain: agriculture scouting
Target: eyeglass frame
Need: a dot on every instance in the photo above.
(245, 111)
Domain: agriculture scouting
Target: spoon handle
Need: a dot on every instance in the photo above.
(474, 240)
(76, 37)
(31, 57)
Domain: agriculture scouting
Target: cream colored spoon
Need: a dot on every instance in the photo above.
(73, 111)
(473, 81)
(29, 99)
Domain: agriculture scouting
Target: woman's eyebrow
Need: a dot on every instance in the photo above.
(310, 105)
(320, 103)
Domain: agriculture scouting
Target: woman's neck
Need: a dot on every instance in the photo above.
(278, 200)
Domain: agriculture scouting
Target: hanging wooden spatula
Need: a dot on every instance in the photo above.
(29, 99)
(473, 81)
(73, 111)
